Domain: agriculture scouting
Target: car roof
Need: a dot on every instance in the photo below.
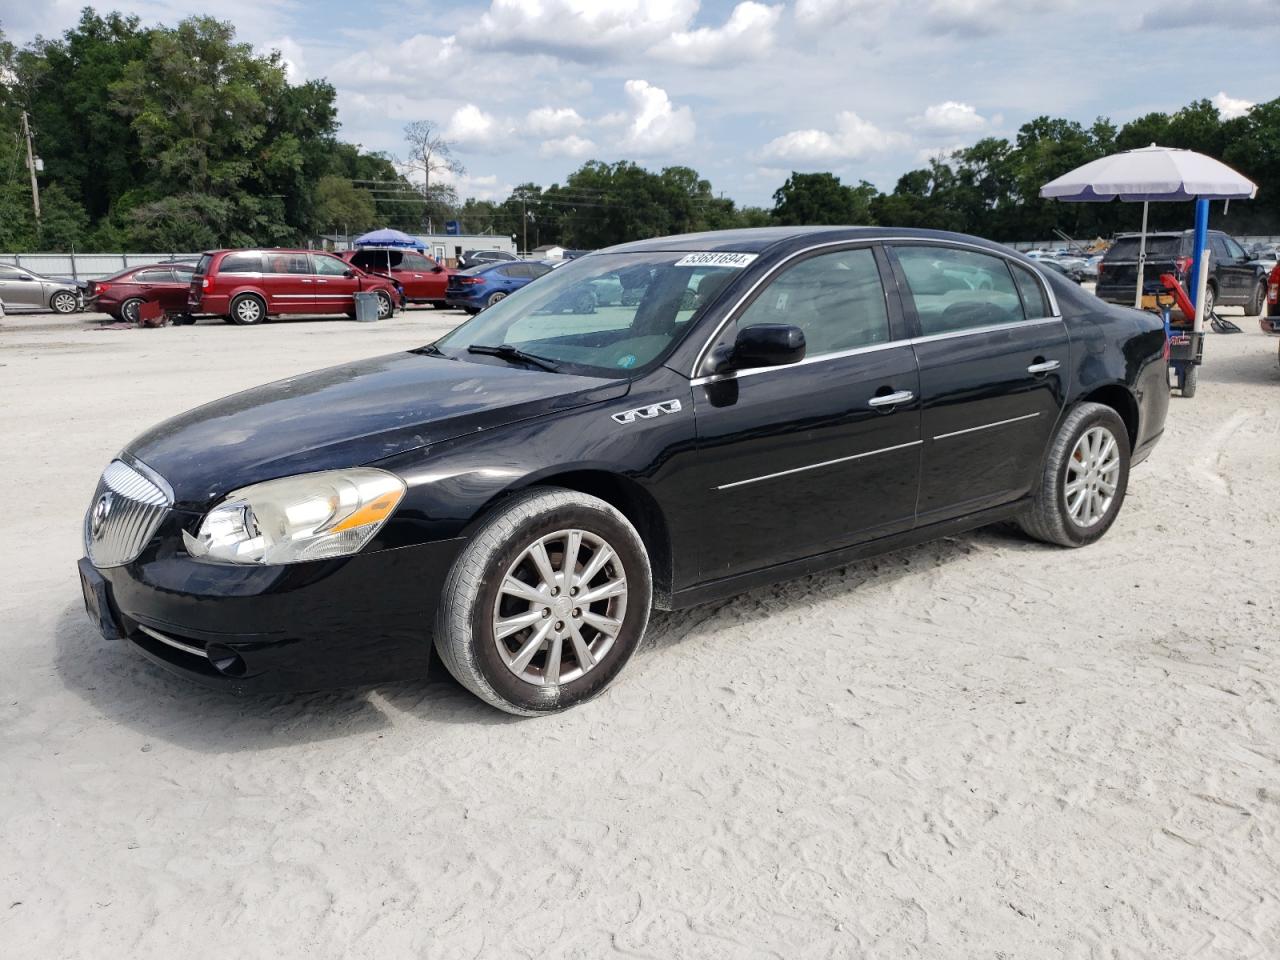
(762, 239)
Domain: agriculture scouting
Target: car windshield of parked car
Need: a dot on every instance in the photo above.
(602, 315)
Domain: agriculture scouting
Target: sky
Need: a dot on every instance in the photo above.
(744, 92)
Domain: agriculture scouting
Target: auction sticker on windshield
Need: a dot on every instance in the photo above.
(736, 260)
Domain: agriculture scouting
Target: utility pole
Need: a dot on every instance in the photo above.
(524, 225)
(31, 165)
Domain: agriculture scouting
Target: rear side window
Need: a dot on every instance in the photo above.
(241, 263)
(1034, 302)
(520, 271)
(154, 275)
(287, 263)
(955, 290)
(837, 299)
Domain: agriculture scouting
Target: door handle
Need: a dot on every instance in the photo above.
(891, 399)
(305, 281)
(1043, 366)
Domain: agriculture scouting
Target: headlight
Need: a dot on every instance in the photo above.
(310, 517)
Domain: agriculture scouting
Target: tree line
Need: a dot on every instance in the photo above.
(181, 138)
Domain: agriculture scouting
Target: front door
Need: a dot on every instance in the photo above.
(335, 291)
(287, 282)
(801, 459)
(993, 360)
(421, 278)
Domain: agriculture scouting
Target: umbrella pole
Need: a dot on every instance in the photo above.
(1142, 257)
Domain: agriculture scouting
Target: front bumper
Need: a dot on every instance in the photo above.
(307, 626)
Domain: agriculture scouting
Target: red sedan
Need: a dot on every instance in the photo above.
(124, 293)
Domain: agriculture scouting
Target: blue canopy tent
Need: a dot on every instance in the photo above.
(386, 237)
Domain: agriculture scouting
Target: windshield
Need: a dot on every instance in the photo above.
(607, 314)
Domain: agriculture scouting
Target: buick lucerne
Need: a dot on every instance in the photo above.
(519, 494)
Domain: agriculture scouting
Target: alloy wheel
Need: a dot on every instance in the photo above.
(560, 607)
(64, 302)
(248, 310)
(1093, 474)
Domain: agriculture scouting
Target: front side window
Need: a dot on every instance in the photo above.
(1234, 249)
(241, 263)
(955, 290)
(563, 319)
(330, 266)
(837, 299)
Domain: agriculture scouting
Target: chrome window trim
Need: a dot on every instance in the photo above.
(989, 328)
(815, 466)
(1055, 310)
(987, 426)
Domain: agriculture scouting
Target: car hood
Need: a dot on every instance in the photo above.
(349, 415)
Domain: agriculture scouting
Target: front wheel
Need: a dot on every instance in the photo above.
(546, 603)
(1210, 300)
(385, 305)
(1086, 475)
(64, 302)
(1190, 379)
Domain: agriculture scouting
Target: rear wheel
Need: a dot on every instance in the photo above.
(1086, 475)
(129, 309)
(547, 602)
(64, 302)
(248, 310)
(494, 298)
(183, 319)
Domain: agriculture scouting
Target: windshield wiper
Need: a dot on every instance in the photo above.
(509, 352)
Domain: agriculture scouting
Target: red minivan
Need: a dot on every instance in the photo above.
(249, 286)
(422, 278)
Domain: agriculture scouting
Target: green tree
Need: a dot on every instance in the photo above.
(342, 206)
(820, 198)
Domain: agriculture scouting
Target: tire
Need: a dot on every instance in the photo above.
(183, 320)
(64, 302)
(475, 598)
(495, 297)
(1258, 305)
(248, 310)
(1210, 301)
(129, 309)
(1189, 381)
(1050, 518)
(585, 302)
(386, 306)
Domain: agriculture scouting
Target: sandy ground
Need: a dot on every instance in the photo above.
(978, 748)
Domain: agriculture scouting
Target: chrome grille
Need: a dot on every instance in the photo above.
(127, 508)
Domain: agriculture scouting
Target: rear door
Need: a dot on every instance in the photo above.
(287, 282)
(993, 361)
(797, 460)
(334, 290)
(1236, 274)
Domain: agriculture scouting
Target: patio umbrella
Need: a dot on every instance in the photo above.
(1153, 173)
(387, 237)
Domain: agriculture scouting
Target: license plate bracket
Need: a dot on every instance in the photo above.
(97, 601)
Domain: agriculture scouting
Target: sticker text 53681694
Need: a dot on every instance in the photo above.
(724, 259)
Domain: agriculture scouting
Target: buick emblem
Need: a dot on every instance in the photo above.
(98, 518)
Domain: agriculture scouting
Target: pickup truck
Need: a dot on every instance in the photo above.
(1233, 280)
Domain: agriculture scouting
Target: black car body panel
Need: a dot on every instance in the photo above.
(732, 480)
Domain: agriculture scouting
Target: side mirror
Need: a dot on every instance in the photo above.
(349, 274)
(761, 345)
(437, 269)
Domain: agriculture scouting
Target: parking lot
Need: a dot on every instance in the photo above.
(980, 747)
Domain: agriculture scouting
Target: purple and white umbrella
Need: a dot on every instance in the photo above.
(1146, 174)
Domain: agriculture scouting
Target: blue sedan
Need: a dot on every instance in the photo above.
(473, 290)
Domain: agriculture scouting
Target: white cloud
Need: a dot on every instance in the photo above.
(813, 14)
(654, 124)
(939, 153)
(852, 139)
(572, 146)
(950, 117)
(482, 187)
(473, 129)
(553, 121)
(969, 17)
(584, 30)
(291, 58)
(1230, 107)
(746, 35)
(421, 52)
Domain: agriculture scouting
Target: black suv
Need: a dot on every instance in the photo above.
(1233, 280)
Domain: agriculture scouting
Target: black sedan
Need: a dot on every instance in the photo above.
(519, 494)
